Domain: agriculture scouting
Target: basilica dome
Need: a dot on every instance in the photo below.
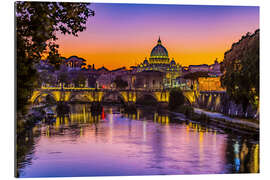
(159, 50)
(159, 54)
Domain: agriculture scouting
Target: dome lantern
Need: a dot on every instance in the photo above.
(159, 41)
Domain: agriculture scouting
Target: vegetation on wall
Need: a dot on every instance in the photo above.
(241, 71)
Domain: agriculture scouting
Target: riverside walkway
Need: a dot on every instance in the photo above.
(227, 118)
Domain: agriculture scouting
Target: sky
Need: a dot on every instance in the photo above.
(124, 34)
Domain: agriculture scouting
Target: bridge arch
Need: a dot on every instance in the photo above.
(190, 96)
(79, 97)
(38, 95)
(146, 98)
(113, 96)
(126, 96)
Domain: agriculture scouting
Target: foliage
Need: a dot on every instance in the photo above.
(63, 76)
(92, 81)
(176, 98)
(79, 79)
(185, 109)
(241, 71)
(47, 77)
(37, 24)
(204, 117)
(120, 83)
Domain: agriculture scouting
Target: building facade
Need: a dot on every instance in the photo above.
(149, 80)
(212, 69)
(74, 62)
(210, 84)
(159, 61)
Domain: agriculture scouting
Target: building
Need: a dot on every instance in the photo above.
(74, 62)
(197, 68)
(159, 61)
(106, 77)
(213, 69)
(149, 80)
(210, 84)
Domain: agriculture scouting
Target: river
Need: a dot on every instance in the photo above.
(144, 143)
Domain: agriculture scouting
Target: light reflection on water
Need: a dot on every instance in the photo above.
(144, 143)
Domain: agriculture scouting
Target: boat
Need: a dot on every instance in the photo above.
(50, 116)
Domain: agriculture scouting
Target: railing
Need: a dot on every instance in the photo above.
(66, 88)
(113, 89)
(216, 92)
(100, 89)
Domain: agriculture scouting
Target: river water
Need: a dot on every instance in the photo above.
(144, 143)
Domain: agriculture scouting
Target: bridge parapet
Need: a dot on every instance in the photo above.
(128, 95)
(212, 92)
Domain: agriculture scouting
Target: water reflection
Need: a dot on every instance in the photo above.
(141, 143)
(26, 148)
(246, 156)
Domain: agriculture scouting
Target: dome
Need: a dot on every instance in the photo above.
(173, 62)
(159, 54)
(145, 61)
(159, 51)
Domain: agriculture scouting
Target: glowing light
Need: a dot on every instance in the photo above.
(103, 115)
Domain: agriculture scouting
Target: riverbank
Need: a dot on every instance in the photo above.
(222, 121)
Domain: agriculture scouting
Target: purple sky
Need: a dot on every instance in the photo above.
(124, 34)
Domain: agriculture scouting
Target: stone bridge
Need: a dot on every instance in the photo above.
(212, 100)
(98, 95)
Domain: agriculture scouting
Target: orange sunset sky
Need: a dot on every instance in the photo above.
(124, 34)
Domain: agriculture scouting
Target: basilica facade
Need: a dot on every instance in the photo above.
(159, 61)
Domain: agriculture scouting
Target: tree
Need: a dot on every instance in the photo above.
(120, 83)
(79, 78)
(47, 77)
(36, 26)
(63, 77)
(241, 71)
(176, 98)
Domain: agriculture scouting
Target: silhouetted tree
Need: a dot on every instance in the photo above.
(63, 77)
(47, 77)
(36, 27)
(79, 79)
(241, 70)
(120, 83)
(176, 98)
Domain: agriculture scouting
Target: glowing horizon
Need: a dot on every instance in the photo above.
(124, 34)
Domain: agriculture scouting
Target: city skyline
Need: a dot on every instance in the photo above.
(113, 40)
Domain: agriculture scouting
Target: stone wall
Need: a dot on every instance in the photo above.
(220, 102)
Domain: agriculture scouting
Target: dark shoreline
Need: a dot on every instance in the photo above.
(227, 126)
